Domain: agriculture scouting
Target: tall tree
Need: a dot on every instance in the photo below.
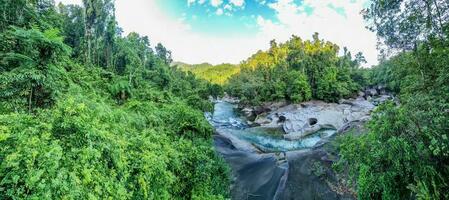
(27, 13)
(401, 24)
(163, 53)
(99, 18)
(73, 27)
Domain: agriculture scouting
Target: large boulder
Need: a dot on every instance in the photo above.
(299, 121)
(258, 110)
(248, 112)
(295, 119)
(371, 92)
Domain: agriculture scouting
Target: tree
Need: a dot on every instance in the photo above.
(31, 68)
(298, 89)
(99, 18)
(105, 122)
(163, 53)
(73, 27)
(405, 154)
(402, 24)
(280, 72)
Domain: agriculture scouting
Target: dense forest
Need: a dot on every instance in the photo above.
(405, 154)
(87, 113)
(216, 74)
(298, 71)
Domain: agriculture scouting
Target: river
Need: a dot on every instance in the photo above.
(262, 161)
(266, 140)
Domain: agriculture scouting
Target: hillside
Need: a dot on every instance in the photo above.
(89, 112)
(218, 74)
(298, 70)
(93, 114)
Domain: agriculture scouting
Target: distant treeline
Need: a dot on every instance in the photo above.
(217, 74)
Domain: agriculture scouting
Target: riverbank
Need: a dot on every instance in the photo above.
(301, 120)
(276, 165)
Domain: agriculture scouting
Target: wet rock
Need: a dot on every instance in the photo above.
(282, 119)
(311, 176)
(302, 133)
(294, 175)
(312, 121)
(237, 143)
(258, 110)
(229, 99)
(262, 120)
(247, 111)
(371, 92)
(360, 94)
(295, 118)
(381, 99)
(256, 176)
(291, 126)
(291, 175)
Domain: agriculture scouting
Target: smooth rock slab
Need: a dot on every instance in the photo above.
(296, 119)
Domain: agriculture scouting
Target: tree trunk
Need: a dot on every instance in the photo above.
(440, 23)
(429, 20)
(30, 98)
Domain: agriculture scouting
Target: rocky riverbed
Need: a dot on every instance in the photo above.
(285, 151)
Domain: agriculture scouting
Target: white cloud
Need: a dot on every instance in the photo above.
(190, 2)
(346, 31)
(228, 7)
(216, 3)
(238, 3)
(219, 12)
(190, 46)
(186, 45)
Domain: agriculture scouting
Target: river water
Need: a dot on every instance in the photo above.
(259, 157)
(265, 139)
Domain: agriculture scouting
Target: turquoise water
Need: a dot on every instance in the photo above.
(274, 143)
(266, 139)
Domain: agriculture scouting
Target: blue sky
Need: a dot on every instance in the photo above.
(219, 31)
(229, 18)
(222, 18)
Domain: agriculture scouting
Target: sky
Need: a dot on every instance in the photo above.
(229, 31)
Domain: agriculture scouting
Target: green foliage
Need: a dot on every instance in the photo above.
(73, 27)
(31, 67)
(163, 53)
(217, 74)
(85, 148)
(185, 122)
(405, 155)
(298, 71)
(88, 114)
(298, 89)
(121, 90)
(28, 14)
(402, 151)
(403, 24)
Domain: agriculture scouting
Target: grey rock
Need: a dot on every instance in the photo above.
(295, 118)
